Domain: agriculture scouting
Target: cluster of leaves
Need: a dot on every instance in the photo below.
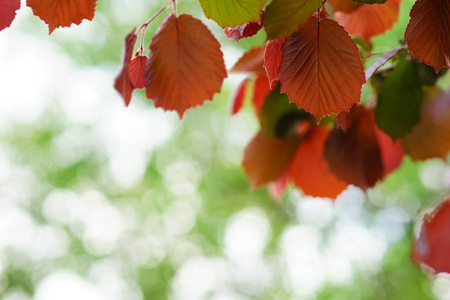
(304, 82)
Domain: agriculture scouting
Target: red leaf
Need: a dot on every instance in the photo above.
(431, 136)
(354, 155)
(123, 83)
(267, 158)
(272, 58)
(251, 61)
(63, 13)
(433, 245)
(391, 152)
(238, 99)
(137, 71)
(320, 68)
(344, 5)
(370, 19)
(310, 170)
(185, 65)
(428, 32)
(242, 31)
(8, 12)
(260, 90)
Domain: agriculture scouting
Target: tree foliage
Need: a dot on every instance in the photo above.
(314, 57)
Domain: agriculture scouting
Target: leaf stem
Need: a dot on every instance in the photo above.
(174, 5)
(145, 25)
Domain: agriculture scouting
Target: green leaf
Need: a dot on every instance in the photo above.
(399, 100)
(279, 116)
(370, 1)
(284, 17)
(230, 13)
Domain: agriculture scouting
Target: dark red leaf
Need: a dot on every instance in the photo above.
(185, 65)
(428, 32)
(137, 71)
(432, 247)
(242, 31)
(8, 12)
(354, 155)
(123, 83)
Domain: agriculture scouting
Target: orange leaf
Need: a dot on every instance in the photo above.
(8, 12)
(370, 19)
(251, 61)
(267, 158)
(310, 170)
(431, 136)
(277, 188)
(272, 58)
(123, 83)
(344, 5)
(320, 68)
(136, 69)
(428, 32)
(354, 155)
(433, 245)
(63, 13)
(185, 65)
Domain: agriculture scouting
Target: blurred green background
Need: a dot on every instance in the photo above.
(99, 201)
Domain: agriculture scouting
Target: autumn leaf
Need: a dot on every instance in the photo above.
(392, 153)
(230, 13)
(242, 31)
(266, 158)
(430, 138)
(320, 68)
(272, 58)
(344, 5)
(428, 32)
(309, 169)
(250, 61)
(354, 155)
(399, 100)
(137, 71)
(63, 13)
(433, 244)
(239, 97)
(361, 154)
(123, 82)
(8, 12)
(185, 66)
(255, 88)
(370, 20)
(283, 17)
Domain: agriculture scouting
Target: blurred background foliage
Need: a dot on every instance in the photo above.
(103, 202)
